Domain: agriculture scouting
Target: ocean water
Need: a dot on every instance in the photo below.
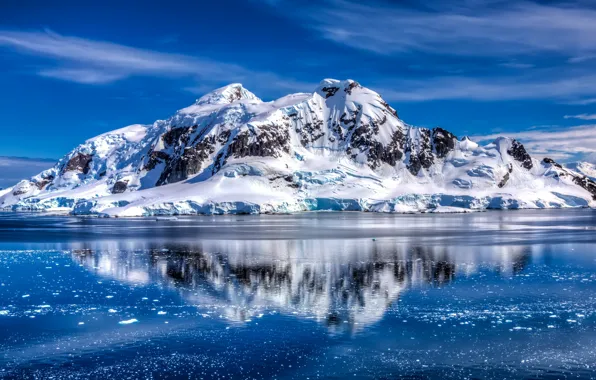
(492, 295)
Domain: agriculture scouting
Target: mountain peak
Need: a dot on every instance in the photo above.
(329, 87)
(227, 94)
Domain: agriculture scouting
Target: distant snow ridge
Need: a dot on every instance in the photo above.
(339, 148)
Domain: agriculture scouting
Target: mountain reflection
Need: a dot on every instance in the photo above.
(345, 284)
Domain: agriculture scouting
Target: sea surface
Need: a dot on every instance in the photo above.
(491, 295)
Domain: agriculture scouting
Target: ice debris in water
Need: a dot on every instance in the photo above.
(128, 321)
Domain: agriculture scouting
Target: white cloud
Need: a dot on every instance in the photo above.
(590, 158)
(14, 169)
(581, 102)
(89, 61)
(562, 143)
(83, 76)
(517, 65)
(505, 50)
(486, 89)
(458, 28)
(583, 116)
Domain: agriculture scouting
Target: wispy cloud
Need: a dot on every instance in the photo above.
(487, 89)
(581, 102)
(476, 28)
(517, 65)
(14, 169)
(506, 50)
(83, 76)
(583, 116)
(574, 143)
(89, 61)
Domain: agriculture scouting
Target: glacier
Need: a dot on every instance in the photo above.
(339, 148)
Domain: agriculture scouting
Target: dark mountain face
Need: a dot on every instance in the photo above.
(579, 179)
(518, 152)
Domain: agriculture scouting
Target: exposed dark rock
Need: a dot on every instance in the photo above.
(189, 163)
(504, 180)
(80, 162)
(421, 154)
(350, 120)
(177, 135)
(44, 182)
(337, 131)
(20, 191)
(311, 132)
(389, 108)
(550, 161)
(518, 152)
(156, 158)
(270, 142)
(120, 187)
(586, 183)
(224, 136)
(377, 153)
(290, 180)
(443, 141)
(394, 151)
(414, 165)
(350, 87)
(236, 95)
(329, 91)
(579, 179)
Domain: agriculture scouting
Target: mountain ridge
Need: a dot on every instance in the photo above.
(341, 147)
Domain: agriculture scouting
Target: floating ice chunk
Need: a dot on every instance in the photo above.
(81, 323)
(112, 311)
(161, 312)
(128, 321)
(3, 312)
(26, 295)
(108, 297)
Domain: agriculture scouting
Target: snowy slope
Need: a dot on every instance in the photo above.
(586, 168)
(341, 147)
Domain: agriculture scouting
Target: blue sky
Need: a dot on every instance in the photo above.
(71, 70)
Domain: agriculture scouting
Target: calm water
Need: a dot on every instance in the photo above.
(493, 295)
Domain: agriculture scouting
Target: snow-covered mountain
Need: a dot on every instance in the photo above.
(341, 147)
(586, 168)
